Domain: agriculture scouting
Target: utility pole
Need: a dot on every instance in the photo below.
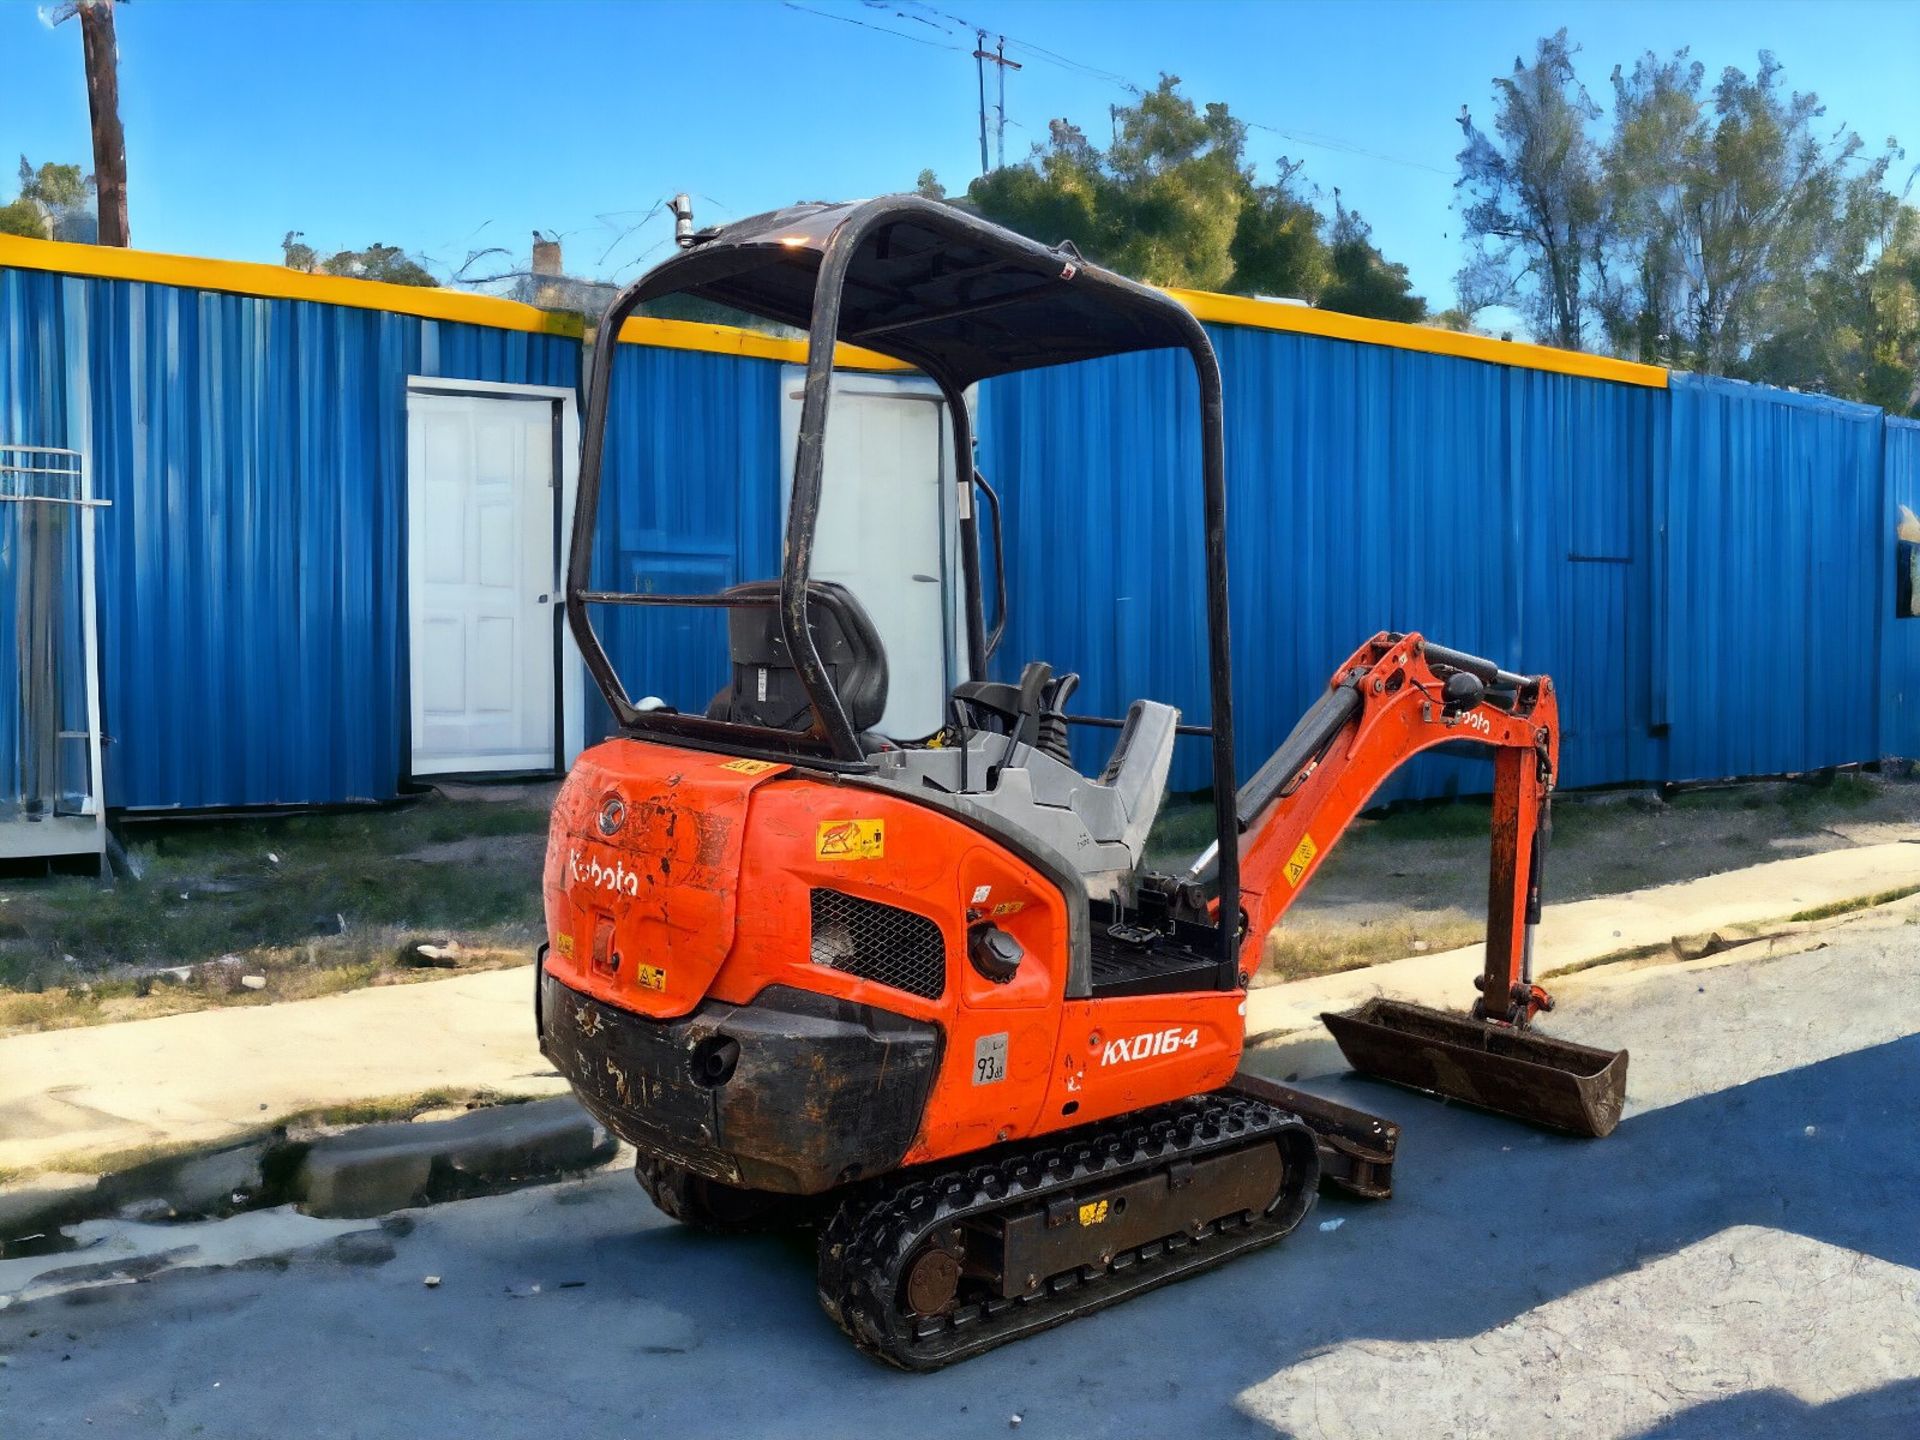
(103, 102)
(1000, 137)
(981, 56)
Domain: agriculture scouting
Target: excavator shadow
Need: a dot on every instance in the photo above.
(1489, 1220)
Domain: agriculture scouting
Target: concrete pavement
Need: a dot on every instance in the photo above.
(214, 1075)
(1740, 1258)
(1579, 932)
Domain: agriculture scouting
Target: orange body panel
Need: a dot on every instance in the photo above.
(676, 877)
(700, 892)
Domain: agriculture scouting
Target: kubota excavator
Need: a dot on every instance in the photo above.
(922, 991)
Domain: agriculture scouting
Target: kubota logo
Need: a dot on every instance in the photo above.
(613, 814)
(1145, 1047)
(615, 877)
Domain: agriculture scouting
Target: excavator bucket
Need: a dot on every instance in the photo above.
(1576, 1089)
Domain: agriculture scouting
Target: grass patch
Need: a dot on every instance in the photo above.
(1424, 823)
(1847, 907)
(1183, 828)
(388, 1108)
(300, 973)
(1301, 950)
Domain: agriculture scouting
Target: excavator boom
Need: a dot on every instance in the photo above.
(1396, 697)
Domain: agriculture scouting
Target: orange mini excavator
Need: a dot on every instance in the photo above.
(923, 992)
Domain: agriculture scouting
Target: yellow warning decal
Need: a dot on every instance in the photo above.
(1009, 907)
(1094, 1213)
(750, 767)
(1303, 854)
(651, 977)
(564, 944)
(850, 840)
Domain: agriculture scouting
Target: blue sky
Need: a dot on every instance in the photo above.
(446, 127)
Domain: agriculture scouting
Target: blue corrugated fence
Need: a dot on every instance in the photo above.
(1710, 571)
(252, 566)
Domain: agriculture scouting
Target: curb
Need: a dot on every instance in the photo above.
(352, 1174)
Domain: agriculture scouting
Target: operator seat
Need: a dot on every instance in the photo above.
(765, 689)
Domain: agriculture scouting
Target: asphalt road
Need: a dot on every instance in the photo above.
(1741, 1258)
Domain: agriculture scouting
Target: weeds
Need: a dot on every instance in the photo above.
(1847, 907)
(1296, 952)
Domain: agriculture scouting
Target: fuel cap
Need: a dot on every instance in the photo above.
(995, 953)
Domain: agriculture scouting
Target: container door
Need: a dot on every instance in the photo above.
(482, 586)
(888, 531)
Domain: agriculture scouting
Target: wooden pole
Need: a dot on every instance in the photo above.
(103, 101)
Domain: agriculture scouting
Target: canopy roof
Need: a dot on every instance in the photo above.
(928, 284)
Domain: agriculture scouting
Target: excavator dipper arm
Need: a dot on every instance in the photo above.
(1396, 697)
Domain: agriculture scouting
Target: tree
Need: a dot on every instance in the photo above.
(929, 185)
(1179, 186)
(1277, 248)
(21, 217)
(377, 262)
(1173, 202)
(296, 254)
(1533, 196)
(55, 202)
(1759, 209)
(1363, 281)
(1724, 230)
(1654, 150)
(1855, 329)
(1159, 205)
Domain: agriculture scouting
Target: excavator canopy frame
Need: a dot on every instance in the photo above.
(961, 300)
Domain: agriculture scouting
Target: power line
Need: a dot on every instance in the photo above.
(620, 239)
(1314, 139)
(1345, 147)
(864, 25)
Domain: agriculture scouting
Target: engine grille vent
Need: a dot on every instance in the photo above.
(879, 942)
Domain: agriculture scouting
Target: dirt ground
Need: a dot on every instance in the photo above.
(251, 910)
(1415, 879)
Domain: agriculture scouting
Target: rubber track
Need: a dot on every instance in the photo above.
(866, 1246)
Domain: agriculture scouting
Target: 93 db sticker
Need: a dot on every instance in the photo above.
(850, 840)
(990, 1059)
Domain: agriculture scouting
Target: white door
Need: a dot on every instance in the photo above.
(482, 586)
(888, 531)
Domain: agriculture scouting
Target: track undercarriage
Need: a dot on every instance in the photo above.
(931, 1266)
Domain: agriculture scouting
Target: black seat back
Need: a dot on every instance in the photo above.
(765, 687)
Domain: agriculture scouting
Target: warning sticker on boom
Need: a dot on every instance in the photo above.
(1302, 857)
(850, 840)
(750, 767)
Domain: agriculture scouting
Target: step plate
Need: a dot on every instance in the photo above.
(1575, 1089)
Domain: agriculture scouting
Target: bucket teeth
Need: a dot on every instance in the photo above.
(1575, 1089)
